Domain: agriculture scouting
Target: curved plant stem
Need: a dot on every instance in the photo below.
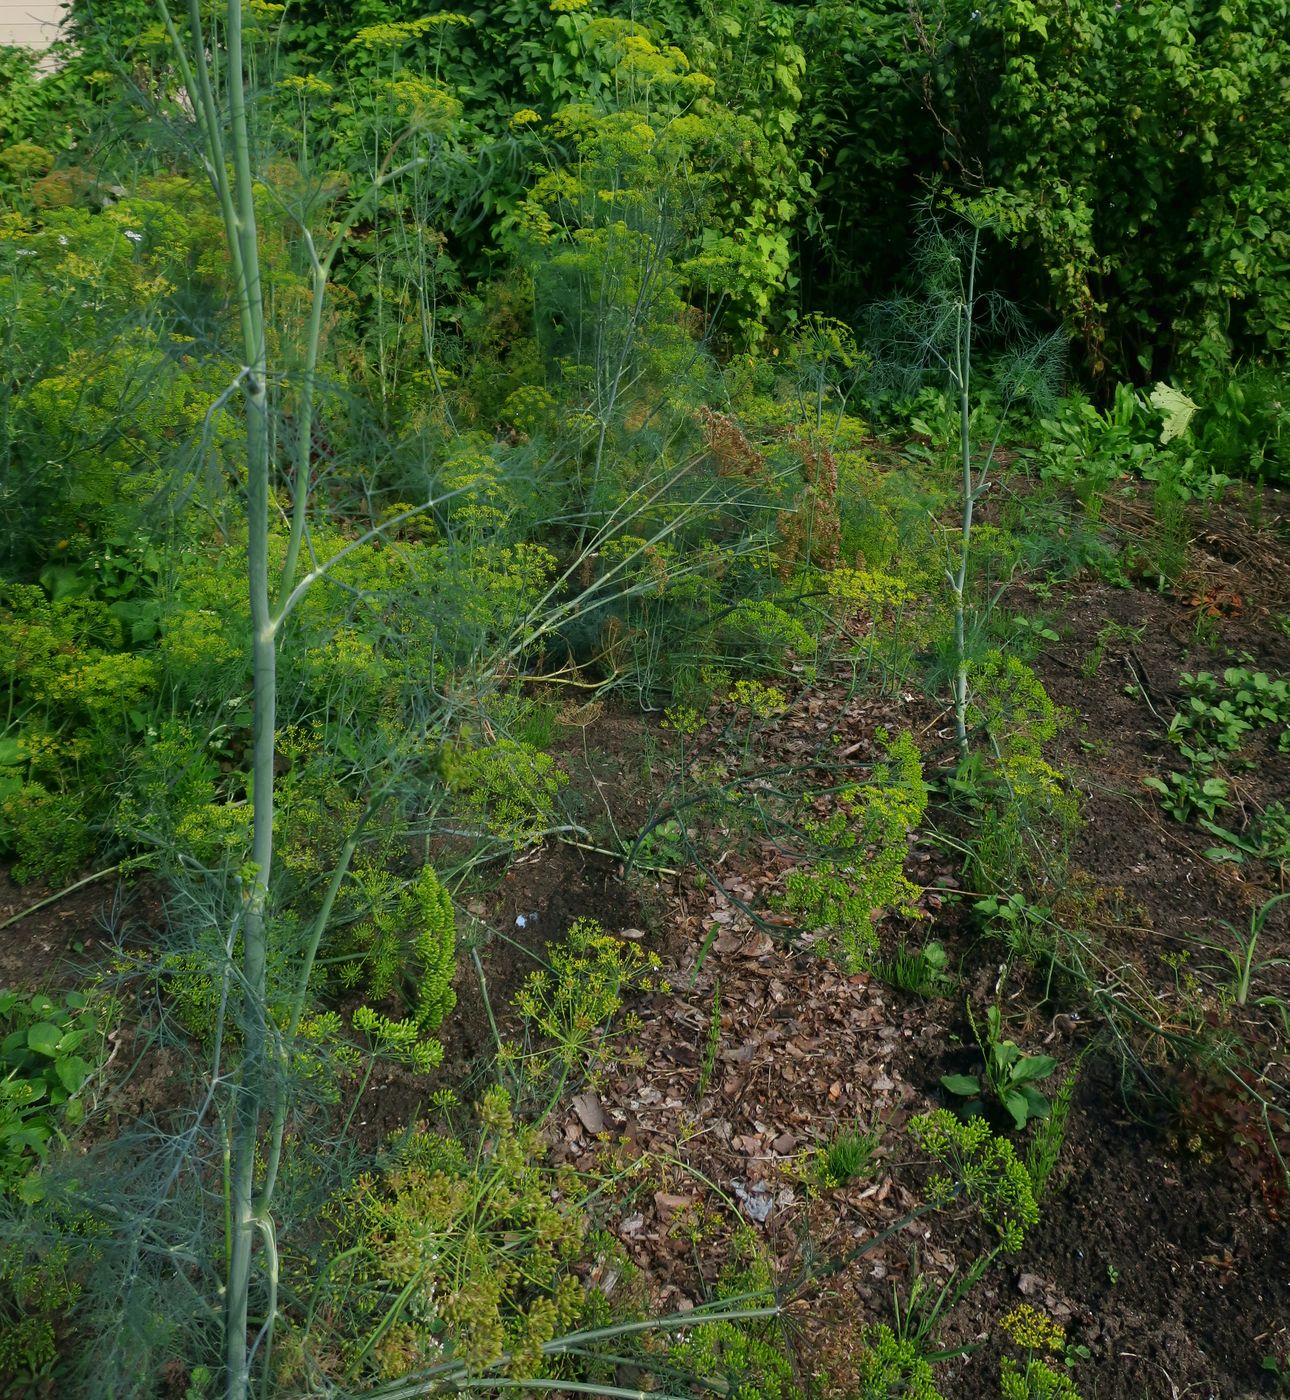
(63, 893)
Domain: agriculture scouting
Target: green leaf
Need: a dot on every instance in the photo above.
(73, 1072)
(1175, 407)
(961, 1083)
(1034, 1067)
(31, 1190)
(1038, 1105)
(43, 1038)
(63, 582)
(1018, 1105)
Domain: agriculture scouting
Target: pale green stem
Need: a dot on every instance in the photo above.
(237, 206)
(963, 375)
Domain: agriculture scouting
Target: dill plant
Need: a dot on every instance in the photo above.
(1028, 1329)
(934, 336)
(862, 848)
(448, 1250)
(572, 1007)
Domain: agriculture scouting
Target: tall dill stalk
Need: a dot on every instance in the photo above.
(235, 192)
(934, 336)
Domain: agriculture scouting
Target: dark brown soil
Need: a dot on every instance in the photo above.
(1164, 1249)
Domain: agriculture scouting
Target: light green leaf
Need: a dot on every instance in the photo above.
(43, 1038)
(1176, 408)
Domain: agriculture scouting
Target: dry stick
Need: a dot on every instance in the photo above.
(70, 889)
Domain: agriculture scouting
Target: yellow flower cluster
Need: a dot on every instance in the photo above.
(306, 83)
(765, 701)
(1029, 1328)
(388, 35)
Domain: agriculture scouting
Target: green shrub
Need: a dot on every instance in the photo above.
(888, 1366)
(982, 1168)
(745, 1360)
(1070, 113)
(409, 940)
(48, 833)
(1026, 815)
(508, 789)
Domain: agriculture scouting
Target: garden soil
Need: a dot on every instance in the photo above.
(1163, 1253)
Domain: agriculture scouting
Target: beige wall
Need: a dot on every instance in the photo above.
(30, 22)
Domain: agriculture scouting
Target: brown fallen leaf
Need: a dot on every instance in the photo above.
(590, 1114)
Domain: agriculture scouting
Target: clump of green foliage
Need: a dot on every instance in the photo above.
(918, 971)
(861, 849)
(1209, 732)
(449, 1252)
(1010, 1075)
(982, 1168)
(889, 1365)
(743, 1359)
(408, 943)
(509, 788)
(848, 1156)
(48, 1053)
(1045, 1148)
(36, 1294)
(1025, 815)
(1034, 1379)
(572, 1007)
(954, 91)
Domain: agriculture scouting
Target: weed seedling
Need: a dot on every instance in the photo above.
(849, 1156)
(1241, 957)
(713, 1042)
(918, 1316)
(1278, 1367)
(1010, 1076)
(918, 971)
(1050, 1134)
(1111, 632)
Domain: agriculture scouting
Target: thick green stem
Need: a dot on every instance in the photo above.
(237, 205)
